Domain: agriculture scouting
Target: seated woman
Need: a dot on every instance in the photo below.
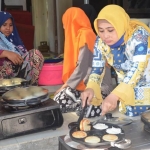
(15, 60)
(124, 44)
(78, 52)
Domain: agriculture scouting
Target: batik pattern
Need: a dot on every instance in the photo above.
(129, 61)
(29, 70)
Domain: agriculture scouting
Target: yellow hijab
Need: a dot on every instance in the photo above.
(78, 32)
(120, 20)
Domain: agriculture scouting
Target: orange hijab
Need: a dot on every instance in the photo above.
(78, 32)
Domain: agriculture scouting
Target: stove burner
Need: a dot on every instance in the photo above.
(147, 128)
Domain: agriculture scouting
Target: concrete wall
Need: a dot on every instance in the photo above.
(39, 15)
(47, 18)
(61, 8)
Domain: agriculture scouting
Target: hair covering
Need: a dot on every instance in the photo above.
(90, 12)
(78, 32)
(120, 20)
(14, 37)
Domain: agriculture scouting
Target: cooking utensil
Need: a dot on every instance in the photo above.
(6, 87)
(82, 113)
(72, 124)
(30, 97)
(108, 118)
(145, 118)
(120, 143)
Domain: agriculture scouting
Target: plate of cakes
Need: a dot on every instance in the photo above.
(99, 134)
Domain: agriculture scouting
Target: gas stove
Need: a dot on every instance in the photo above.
(20, 121)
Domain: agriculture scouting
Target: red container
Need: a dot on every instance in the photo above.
(51, 74)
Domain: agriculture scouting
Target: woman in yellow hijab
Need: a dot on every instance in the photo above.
(78, 53)
(124, 44)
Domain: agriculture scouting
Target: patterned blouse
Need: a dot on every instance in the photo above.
(130, 61)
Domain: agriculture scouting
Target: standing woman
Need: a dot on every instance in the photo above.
(15, 60)
(125, 45)
(78, 53)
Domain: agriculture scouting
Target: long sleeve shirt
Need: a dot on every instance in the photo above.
(129, 61)
(83, 68)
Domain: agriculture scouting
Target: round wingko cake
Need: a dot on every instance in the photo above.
(100, 126)
(85, 125)
(21, 93)
(113, 130)
(79, 134)
(110, 137)
(92, 139)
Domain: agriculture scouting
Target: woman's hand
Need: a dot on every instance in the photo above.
(88, 93)
(109, 103)
(12, 56)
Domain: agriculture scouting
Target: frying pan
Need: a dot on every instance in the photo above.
(100, 134)
(4, 89)
(29, 102)
(26, 102)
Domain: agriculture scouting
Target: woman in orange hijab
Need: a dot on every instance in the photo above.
(78, 53)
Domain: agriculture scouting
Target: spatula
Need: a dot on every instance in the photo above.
(82, 113)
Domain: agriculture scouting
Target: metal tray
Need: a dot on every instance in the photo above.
(120, 143)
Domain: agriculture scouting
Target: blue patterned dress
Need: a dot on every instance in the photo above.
(131, 63)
